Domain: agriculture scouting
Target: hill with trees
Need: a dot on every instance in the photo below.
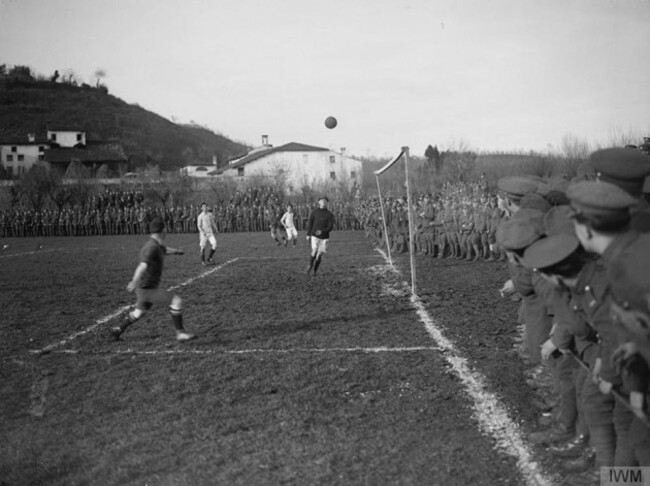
(31, 103)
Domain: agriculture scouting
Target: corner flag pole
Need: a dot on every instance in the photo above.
(383, 218)
(405, 151)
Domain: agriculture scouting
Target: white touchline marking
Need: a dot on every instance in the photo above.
(27, 253)
(490, 413)
(123, 309)
(380, 349)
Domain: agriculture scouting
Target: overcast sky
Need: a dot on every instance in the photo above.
(490, 75)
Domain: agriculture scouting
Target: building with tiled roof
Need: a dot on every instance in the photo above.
(58, 149)
(297, 164)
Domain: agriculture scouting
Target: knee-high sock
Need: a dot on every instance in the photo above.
(317, 263)
(128, 320)
(177, 318)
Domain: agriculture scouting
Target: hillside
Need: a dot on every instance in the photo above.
(146, 137)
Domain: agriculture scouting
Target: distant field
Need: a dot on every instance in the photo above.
(293, 379)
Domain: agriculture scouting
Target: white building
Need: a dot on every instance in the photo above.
(18, 156)
(297, 165)
(67, 137)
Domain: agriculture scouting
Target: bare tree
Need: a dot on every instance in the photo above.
(70, 77)
(459, 161)
(620, 138)
(37, 184)
(576, 152)
(99, 74)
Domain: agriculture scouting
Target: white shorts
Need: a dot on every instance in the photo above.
(203, 241)
(318, 245)
(292, 233)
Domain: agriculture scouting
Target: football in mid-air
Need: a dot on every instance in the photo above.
(330, 122)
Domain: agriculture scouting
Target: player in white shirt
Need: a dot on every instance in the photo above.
(289, 225)
(207, 230)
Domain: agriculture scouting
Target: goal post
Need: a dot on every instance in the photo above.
(404, 154)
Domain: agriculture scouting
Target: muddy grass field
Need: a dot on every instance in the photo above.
(340, 378)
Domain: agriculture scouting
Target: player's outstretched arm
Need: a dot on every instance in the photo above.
(174, 251)
(137, 276)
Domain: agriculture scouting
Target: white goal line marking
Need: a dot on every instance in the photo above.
(167, 352)
(123, 309)
(491, 414)
(303, 257)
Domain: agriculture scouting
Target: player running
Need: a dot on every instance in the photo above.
(289, 225)
(146, 284)
(319, 225)
(207, 230)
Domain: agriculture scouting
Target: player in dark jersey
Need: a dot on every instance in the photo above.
(319, 225)
(146, 284)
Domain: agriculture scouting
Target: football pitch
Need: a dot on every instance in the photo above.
(340, 378)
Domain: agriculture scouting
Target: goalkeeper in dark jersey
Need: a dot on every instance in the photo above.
(319, 225)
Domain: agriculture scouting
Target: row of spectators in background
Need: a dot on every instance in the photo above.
(459, 222)
(252, 210)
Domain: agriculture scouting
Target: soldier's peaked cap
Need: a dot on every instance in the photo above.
(534, 201)
(600, 202)
(520, 231)
(558, 220)
(624, 167)
(517, 186)
(549, 251)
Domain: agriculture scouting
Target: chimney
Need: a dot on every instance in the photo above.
(265, 139)
(342, 150)
(31, 137)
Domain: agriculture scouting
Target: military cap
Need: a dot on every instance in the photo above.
(157, 225)
(516, 187)
(629, 275)
(585, 171)
(626, 168)
(534, 217)
(323, 198)
(519, 231)
(549, 251)
(534, 201)
(603, 204)
(557, 220)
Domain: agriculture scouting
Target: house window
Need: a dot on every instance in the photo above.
(304, 158)
(353, 174)
(21, 157)
(41, 148)
(14, 149)
(41, 157)
(240, 172)
(53, 137)
(10, 158)
(332, 159)
(333, 176)
(78, 137)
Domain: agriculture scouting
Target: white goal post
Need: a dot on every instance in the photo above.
(403, 154)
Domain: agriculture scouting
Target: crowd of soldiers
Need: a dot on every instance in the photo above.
(578, 254)
(458, 222)
(127, 213)
(580, 262)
